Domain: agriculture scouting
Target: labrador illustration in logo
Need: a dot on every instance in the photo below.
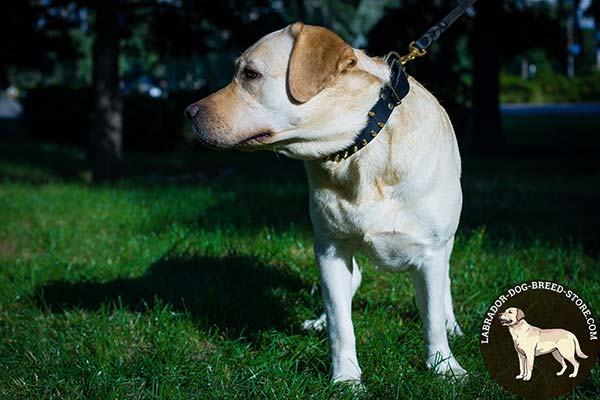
(531, 341)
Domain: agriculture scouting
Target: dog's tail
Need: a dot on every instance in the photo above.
(580, 353)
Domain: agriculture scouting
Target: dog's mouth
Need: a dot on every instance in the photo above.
(254, 140)
(247, 143)
(505, 322)
(204, 141)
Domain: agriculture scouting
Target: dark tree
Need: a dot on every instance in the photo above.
(487, 135)
(16, 21)
(106, 133)
(33, 36)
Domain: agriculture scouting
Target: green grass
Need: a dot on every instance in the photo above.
(191, 276)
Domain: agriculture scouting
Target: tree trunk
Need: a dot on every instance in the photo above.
(106, 133)
(487, 134)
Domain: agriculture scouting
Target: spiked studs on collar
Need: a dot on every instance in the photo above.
(390, 96)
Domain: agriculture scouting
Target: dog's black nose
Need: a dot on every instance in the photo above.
(191, 111)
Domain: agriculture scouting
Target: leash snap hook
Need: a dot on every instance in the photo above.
(413, 52)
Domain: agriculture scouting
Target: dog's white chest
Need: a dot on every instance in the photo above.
(396, 210)
(392, 236)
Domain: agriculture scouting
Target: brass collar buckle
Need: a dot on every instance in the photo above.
(397, 99)
(396, 70)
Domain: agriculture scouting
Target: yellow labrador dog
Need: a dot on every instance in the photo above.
(303, 92)
(531, 341)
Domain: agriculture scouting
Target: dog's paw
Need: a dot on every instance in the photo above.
(457, 372)
(573, 375)
(316, 325)
(527, 378)
(448, 367)
(453, 329)
(519, 377)
(348, 379)
(348, 389)
(346, 370)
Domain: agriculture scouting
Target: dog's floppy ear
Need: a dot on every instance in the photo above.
(520, 314)
(318, 56)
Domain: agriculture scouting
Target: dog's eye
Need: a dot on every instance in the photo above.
(249, 73)
(510, 311)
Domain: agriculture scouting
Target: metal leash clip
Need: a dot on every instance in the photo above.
(413, 52)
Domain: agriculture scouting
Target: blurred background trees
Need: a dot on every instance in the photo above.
(112, 74)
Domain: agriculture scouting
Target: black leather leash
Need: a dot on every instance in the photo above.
(392, 92)
(419, 48)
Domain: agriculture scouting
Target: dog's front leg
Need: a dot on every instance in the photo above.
(529, 358)
(319, 324)
(430, 284)
(521, 365)
(335, 272)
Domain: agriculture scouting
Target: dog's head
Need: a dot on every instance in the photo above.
(511, 316)
(296, 91)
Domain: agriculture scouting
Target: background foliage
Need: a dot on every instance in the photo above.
(185, 49)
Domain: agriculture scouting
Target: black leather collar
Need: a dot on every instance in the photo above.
(390, 96)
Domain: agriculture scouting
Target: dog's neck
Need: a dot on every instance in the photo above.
(519, 327)
(397, 151)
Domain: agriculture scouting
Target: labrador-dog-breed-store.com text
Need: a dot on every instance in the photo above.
(305, 93)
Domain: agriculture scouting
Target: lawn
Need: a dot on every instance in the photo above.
(190, 277)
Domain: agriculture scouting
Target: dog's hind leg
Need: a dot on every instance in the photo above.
(430, 286)
(320, 323)
(556, 354)
(452, 326)
(317, 324)
(568, 347)
(571, 358)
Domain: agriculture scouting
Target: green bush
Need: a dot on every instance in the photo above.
(513, 89)
(589, 87)
(557, 88)
(550, 88)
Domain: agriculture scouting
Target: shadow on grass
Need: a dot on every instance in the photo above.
(54, 160)
(563, 219)
(524, 200)
(234, 293)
